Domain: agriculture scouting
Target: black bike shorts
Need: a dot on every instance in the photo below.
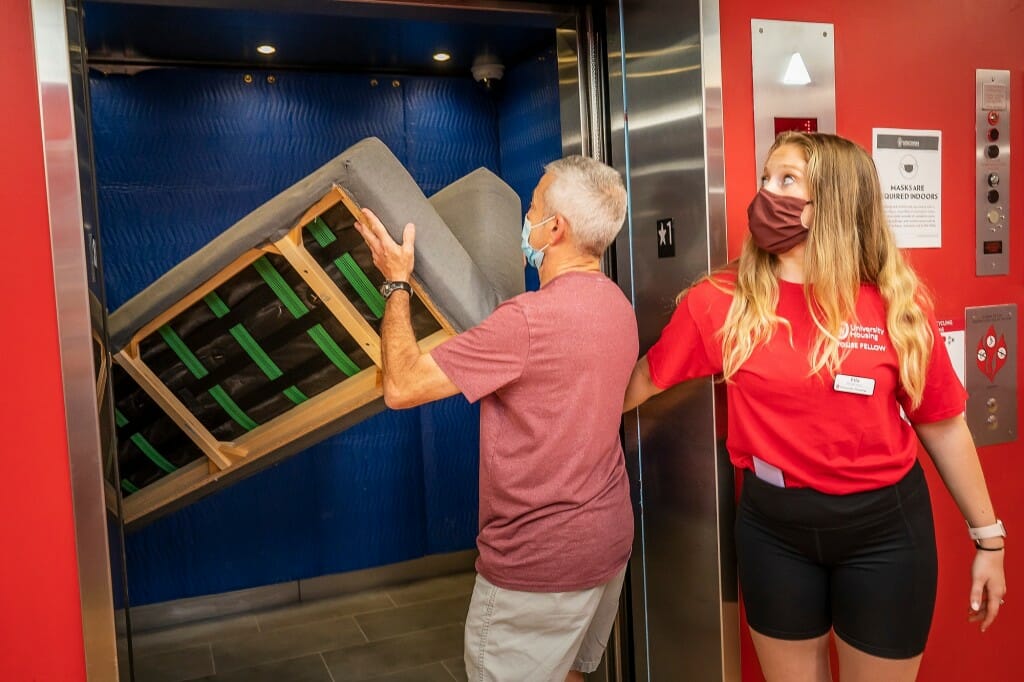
(862, 564)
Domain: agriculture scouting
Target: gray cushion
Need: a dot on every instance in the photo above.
(484, 214)
(377, 180)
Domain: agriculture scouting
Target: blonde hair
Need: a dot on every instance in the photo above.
(848, 244)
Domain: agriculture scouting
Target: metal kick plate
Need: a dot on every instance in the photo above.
(991, 373)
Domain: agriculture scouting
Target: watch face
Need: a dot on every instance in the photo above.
(389, 288)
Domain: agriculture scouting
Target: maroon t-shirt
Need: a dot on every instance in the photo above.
(550, 368)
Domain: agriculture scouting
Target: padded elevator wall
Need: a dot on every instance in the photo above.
(181, 154)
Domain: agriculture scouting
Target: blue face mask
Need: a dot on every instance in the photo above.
(533, 256)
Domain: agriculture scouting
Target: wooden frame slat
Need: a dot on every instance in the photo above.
(168, 489)
(174, 408)
(321, 283)
(194, 296)
(313, 414)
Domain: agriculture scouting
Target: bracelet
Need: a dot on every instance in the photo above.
(989, 549)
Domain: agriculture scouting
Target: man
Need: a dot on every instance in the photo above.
(550, 368)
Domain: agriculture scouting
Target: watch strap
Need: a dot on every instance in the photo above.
(996, 530)
(388, 288)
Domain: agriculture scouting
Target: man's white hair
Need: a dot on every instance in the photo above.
(591, 196)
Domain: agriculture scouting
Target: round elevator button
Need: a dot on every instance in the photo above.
(993, 215)
(993, 134)
(992, 151)
(993, 196)
(993, 117)
(993, 179)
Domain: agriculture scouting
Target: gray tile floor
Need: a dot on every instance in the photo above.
(405, 633)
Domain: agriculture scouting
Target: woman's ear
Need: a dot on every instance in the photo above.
(807, 215)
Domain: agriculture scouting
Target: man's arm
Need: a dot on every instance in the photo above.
(410, 377)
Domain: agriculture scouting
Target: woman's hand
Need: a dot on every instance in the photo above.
(988, 587)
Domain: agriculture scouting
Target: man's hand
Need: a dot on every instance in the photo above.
(394, 261)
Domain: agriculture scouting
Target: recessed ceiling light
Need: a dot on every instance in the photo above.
(266, 49)
(441, 56)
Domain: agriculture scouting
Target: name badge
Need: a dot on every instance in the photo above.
(846, 383)
(769, 473)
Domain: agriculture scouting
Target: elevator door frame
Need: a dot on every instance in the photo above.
(583, 109)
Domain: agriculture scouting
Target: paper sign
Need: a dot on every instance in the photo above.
(909, 164)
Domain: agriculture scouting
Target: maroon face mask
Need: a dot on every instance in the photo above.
(774, 221)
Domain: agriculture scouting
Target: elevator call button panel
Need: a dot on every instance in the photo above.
(992, 158)
(991, 373)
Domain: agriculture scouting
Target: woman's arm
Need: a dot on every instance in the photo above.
(950, 446)
(641, 387)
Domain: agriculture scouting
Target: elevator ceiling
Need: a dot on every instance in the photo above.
(316, 34)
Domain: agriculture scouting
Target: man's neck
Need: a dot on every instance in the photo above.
(552, 269)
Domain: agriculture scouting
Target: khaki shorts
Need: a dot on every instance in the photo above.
(516, 636)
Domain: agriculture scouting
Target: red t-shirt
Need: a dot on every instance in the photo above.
(835, 442)
(550, 368)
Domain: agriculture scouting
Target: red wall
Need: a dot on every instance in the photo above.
(911, 64)
(40, 611)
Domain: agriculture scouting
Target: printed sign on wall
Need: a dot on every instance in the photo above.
(909, 164)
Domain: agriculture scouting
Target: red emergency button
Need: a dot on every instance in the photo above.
(993, 118)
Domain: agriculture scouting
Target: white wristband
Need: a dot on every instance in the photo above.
(996, 530)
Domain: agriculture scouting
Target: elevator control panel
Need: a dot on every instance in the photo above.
(991, 373)
(992, 137)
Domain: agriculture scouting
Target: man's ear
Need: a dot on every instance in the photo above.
(560, 229)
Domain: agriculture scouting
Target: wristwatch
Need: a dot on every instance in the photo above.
(996, 530)
(389, 288)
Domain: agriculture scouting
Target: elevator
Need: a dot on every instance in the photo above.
(637, 85)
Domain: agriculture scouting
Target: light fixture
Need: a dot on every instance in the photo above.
(442, 56)
(796, 72)
(266, 49)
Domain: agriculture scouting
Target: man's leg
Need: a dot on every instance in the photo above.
(513, 635)
(588, 658)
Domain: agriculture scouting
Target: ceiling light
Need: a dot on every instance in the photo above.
(266, 49)
(796, 72)
(441, 56)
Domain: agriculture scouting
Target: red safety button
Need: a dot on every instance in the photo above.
(993, 118)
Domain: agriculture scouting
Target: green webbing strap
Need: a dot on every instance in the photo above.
(252, 347)
(186, 356)
(332, 350)
(280, 287)
(198, 371)
(257, 354)
(295, 395)
(232, 408)
(321, 233)
(142, 444)
(361, 283)
(217, 305)
(348, 267)
(128, 486)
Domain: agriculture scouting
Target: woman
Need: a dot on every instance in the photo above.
(822, 333)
